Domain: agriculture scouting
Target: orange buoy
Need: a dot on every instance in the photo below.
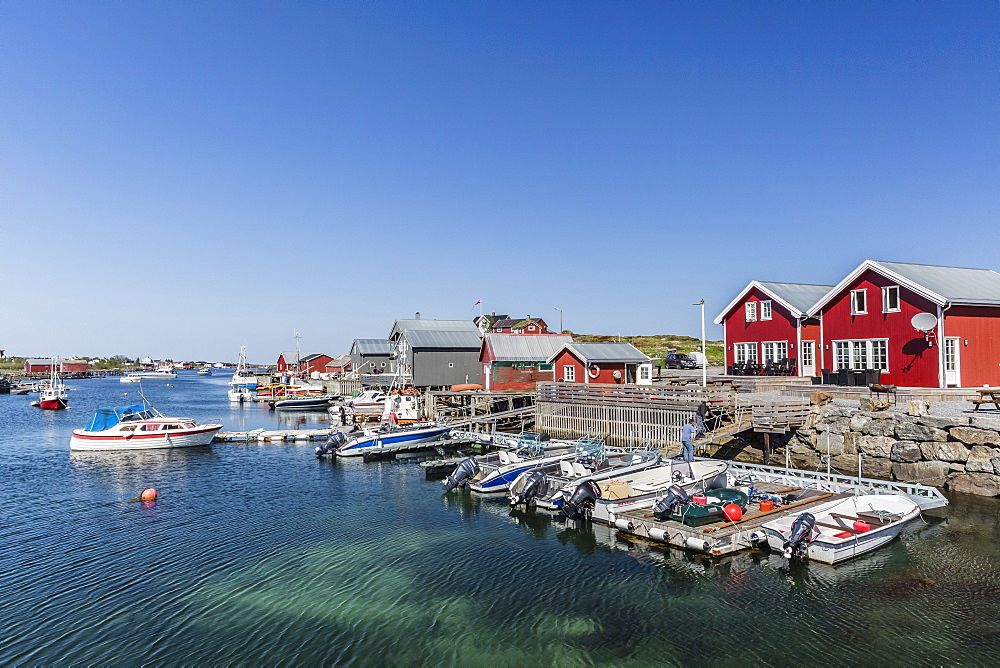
(732, 512)
(148, 494)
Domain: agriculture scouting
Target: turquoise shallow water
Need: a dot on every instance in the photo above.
(264, 555)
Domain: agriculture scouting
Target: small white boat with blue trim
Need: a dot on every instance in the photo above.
(386, 439)
(494, 472)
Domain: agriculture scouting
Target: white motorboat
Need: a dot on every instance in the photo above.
(644, 488)
(317, 402)
(840, 529)
(494, 472)
(550, 486)
(369, 401)
(139, 376)
(242, 384)
(139, 427)
(205, 371)
(384, 440)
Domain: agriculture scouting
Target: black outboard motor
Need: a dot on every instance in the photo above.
(676, 497)
(534, 483)
(798, 540)
(336, 440)
(582, 501)
(466, 469)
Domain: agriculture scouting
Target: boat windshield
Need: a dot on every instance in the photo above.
(105, 418)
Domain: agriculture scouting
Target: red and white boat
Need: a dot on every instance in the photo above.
(52, 395)
(140, 427)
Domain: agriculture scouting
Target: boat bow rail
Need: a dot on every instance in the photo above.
(924, 496)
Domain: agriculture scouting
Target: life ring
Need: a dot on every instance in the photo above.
(594, 371)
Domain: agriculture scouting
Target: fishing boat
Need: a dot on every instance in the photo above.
(242, 384)
(205, 371)
(139, 427)
(385, 439)
(52, 395)
(550, 486)
(841, 529)
(644, 488)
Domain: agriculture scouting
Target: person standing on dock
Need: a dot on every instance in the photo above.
(701, 414)
(687, 441)
(343, 416)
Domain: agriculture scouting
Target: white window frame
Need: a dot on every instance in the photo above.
(745, 352)
(644, 372)
(545, 366)
(569, 373)
(861, 293)
(773, 351)
(807, 353)
(750, 310)
(765, 309)
(531, 328)
(886, 291)
(861, 354)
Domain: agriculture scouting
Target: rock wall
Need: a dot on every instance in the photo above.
(960, 453)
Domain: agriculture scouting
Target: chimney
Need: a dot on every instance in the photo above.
(417, 316)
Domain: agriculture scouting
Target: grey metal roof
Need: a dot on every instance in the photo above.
(956, 284)
(520, 348)
(607, 352)
(420, 338)
(436, 325)
(801, 296)
(372, 346)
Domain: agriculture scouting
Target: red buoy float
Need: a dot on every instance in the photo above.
(148, 494)
(732, 512)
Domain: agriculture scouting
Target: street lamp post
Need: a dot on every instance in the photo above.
(560, 318)
(704, 352)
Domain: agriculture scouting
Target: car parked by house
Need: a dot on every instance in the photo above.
(679, 361)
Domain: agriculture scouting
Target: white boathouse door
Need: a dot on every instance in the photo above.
(807, 358)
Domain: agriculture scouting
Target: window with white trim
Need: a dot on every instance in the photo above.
(531, 328)
(569, 373)
(806, 350)
(744, 352)
(890, 299)
(859, 303)
(774, 351)
(858, 355)
(545, 366)
(765, 310)
(644, 372)
(751, 311)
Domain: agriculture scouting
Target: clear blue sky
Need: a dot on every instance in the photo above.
(181, 178)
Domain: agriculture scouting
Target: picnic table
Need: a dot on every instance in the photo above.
(987, 395)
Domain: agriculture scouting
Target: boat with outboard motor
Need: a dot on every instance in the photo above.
(840, 529)
(318, 402)
(205, 371)
(550, 486)
(493, 472)
(643, 489)
(139, 427)
(715, 505)
(385, 439)
(369, 401)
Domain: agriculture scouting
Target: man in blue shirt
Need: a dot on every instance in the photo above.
(687, 441)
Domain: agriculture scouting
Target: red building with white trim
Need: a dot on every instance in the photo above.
(607, 363)
(866, 323)
(517, 361)
(307, 362)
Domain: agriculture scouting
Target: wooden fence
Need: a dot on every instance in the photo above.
(624, 415)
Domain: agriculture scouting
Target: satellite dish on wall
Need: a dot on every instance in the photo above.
(923, 322)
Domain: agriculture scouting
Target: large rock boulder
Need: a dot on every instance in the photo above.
(881, 427)
(926, 473)
(873, 467)
(876, 446)
(829, 441)
(985, 422)
(981, 459)
(949, 451)
(983, 484)
(906, 451)
(919, 432)
(836, 425)
(943, 422)
(974, 436)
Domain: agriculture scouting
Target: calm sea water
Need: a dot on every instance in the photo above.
(264, 555)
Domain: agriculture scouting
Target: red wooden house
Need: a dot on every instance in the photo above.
(518, 362)
(610, 363)
(868, 323)
(767, 324)
(306, 362)
(526, 325)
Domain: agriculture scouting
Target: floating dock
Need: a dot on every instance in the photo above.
(280, 435)
(809, 489)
